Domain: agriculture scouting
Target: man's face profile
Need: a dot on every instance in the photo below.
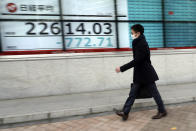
(134, 34)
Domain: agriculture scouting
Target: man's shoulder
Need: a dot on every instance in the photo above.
(142, 43)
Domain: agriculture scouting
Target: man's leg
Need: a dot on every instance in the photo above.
(157, 97)
(130, 100)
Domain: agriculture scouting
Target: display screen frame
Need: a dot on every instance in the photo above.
(117, 19)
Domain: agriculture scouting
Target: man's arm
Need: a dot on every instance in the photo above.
(140, 54)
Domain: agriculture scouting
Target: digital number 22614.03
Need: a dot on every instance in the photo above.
(70, 28)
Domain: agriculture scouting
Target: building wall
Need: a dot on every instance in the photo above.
(56, 74)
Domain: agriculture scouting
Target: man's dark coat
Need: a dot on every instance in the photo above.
(144, 72)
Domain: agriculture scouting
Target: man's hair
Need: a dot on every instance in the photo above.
(138, 28)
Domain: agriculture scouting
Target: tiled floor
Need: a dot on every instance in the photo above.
(180, 118)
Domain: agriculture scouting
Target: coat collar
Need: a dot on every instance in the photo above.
(135, 41)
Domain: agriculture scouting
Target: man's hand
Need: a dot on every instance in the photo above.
(117, 69)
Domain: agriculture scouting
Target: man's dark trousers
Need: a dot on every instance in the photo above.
(133, 92)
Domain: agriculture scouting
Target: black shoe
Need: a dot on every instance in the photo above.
(122, 114)
(159, 115)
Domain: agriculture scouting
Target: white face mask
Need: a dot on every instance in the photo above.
(133, 37)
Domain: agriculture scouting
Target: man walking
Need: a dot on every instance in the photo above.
(144, 73)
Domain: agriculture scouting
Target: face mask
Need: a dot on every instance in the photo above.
(133, 37)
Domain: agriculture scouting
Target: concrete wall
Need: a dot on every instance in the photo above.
(55, 74)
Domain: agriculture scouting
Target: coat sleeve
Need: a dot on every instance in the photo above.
(140, 55)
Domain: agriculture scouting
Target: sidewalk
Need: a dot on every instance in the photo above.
(29, 109)
(180, 118)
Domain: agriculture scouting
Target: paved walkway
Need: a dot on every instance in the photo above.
(180, 118)
(50, 107)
